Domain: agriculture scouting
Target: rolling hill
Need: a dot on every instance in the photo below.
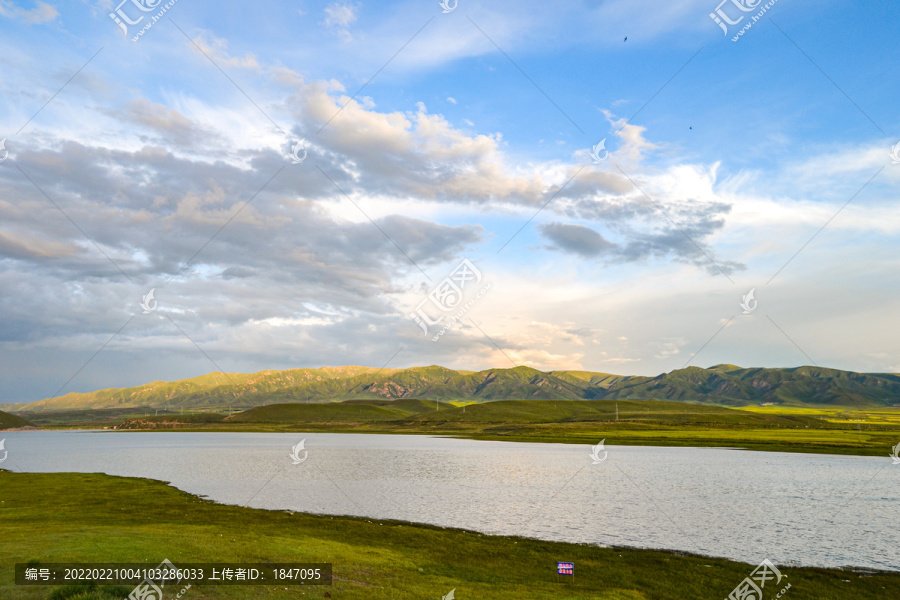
(407, 413)
(8, 421)
(722, 384)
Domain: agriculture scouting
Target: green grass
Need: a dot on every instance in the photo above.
(622, 422)
(89, 591)
(8, 421)
(98, 518)
(350, 411)
(98, 417)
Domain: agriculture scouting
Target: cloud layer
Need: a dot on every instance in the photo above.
(140, 176)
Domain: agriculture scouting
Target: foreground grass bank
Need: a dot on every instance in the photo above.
(623, 422)
(99, 518)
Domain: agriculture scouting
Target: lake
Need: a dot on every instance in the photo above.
(807, 509)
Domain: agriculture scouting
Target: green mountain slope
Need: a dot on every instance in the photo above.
(721, 384)
(731, 385)
(8, 421)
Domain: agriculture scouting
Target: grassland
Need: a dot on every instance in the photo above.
(98, 518)
(623, 422)
(81, 418)
(8, 421)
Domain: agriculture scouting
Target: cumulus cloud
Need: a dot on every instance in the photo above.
(651, 213)
(578, 239)
(209, 216)
(588, 243)
(164, 125)
(265, 264)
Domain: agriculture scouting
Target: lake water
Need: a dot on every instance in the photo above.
(808, 509)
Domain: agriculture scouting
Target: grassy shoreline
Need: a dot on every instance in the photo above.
(647, 423)
(755, 440)
(61, 517)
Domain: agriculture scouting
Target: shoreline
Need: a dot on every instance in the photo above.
(665, 438)
(200, 494)
(833, 431)
(107, 518)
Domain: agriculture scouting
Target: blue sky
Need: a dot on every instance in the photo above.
(728, 162)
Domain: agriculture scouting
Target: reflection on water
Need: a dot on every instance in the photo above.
(810, 509)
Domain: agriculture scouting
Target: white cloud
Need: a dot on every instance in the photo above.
(667, 348)
(40, 14)
(339, 16)
(217, 49)
(153, 177)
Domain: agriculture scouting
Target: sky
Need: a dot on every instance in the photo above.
(623, 186)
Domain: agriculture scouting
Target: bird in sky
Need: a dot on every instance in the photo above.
(626, 39)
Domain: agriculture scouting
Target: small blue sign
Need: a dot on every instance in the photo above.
(565, 568)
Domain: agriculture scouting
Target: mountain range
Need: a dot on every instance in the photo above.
(721, 384)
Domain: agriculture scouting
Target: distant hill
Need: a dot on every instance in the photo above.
(8, 421)
(422, 413)
(336, 412)
(721, 384)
